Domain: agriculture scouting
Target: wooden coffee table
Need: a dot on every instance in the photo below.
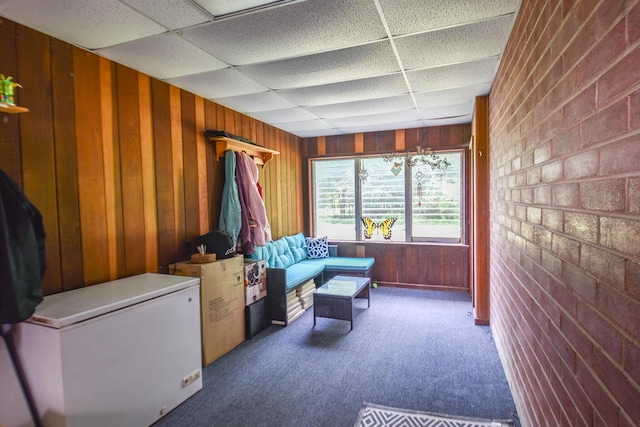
(334, 299)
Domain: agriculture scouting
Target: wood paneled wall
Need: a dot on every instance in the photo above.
(479, 210)
(117, 162)
(414, 265)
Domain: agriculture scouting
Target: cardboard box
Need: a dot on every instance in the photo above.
(222, 308)
(255, 280)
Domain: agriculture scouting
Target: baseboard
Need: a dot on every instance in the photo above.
(420, 286)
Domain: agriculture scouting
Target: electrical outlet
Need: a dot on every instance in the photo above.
(190, 378)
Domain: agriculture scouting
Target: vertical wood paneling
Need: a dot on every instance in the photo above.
(274, 189)
(358, 143)
(293, 185)
(480, 210)
(163, 163)
(229, 120)
(428, 266)
(282, 181)
(412, 138)
(190, 150)
(111, 165)
(38, 152)
(148, 174)
(412, 261)
(91, 174)
(215, 167)
(388, 140)
(131, 170)
(401, 266)
(66, 165)
(246, 132)
(201, 155)
(302, 204)
(321, 146)
(399, 143)
(340, 144)
(119, 162)
(175, 108)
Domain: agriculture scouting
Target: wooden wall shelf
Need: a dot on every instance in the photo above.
(13, 109)
(261, 155)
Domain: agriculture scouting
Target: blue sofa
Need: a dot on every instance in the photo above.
(289, 266)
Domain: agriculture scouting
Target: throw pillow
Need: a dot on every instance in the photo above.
(318, 247)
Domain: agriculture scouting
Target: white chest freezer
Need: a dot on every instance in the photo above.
(121, 353)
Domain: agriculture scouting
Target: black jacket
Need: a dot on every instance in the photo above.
(22, 253)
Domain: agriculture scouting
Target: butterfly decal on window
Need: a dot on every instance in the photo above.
(384, 227)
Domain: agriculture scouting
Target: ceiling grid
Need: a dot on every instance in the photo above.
(309, 67)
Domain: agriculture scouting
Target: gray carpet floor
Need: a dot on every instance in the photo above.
(411, 349)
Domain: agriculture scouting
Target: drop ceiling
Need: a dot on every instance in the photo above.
(311, 67)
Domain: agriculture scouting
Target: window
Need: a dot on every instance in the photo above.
(334, 199)
(406, 204)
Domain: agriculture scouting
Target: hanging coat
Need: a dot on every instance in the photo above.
(22, 253)
(230, 211)
(246, 239)
(257, 211)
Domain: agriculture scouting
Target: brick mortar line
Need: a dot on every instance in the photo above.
(578, 325)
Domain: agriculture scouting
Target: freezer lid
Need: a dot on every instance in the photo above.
(67, 308)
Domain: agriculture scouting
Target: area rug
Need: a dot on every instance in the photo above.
(372, 415)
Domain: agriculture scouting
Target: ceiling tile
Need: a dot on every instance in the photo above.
(218, 84)
(427, 100)
(87, 23)
(288, 31)
(163, 56)
(410, 16)
(172, 14)
(284, 116)
(302, 126)
(225, 7)
(446, 122)
(375, 87)
(382, 127)
(375, 119)
(255, 102)
(318, 132)
(309, 67)
(454, 45)
(449, 111)
(453, 76)
(358, 108)
(357, 62)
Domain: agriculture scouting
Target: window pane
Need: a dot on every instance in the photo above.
(437, 200)
(383, 199)
(334, 201)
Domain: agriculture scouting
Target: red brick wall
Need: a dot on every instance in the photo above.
(564, 124)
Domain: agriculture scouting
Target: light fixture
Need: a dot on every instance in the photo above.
(420, 158)
(223, 9)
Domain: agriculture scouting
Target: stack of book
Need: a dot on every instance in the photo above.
(305, 293)
(294, 307)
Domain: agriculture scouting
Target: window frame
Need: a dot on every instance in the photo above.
(408, 237)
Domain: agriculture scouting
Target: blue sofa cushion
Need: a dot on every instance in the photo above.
(281, 256)
(297, 246)
(262, 252)
(349, 264)
(301, 272)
